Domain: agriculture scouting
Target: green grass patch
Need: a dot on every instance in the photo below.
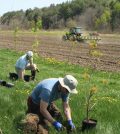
(40, 32)
(13, 100)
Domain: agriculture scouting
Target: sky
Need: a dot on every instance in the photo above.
(14, 5)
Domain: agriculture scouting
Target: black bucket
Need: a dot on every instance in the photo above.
(2, 82)
(9, 85)
(6, 84)
(88, 124)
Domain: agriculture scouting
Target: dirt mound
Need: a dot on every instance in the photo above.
(30, 125)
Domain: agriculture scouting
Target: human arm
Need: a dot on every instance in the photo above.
(44, 111)
(32, 65)
(31, 61)
(46, 114)
(67, 112)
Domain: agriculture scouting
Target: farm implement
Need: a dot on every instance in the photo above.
(76, 34)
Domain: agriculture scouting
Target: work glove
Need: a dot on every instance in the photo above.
(58, 126)
(71, 125)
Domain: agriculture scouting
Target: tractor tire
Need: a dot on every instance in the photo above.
(64, 38)
(72, 37)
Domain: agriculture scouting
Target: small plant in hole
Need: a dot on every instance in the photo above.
(90, 106)
(89, 123)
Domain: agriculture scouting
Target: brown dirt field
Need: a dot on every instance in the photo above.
(52, 46)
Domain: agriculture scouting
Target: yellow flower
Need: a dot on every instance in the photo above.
(93, 90)
(86, 76)
(104, 81)
(109, 99)
(53, 61)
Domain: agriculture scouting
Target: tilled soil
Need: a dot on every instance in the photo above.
(53, 46)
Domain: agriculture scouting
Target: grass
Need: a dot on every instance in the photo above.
(40, 32)
(13, 100)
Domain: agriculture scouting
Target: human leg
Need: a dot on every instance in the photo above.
(20, 73)
(34, 108)
(33, 69)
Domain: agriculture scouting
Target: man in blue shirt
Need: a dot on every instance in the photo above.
(48, 91)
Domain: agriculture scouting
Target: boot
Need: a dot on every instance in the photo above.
(33, 74)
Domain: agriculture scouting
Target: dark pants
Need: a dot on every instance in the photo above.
(35, 109)
(32, 107)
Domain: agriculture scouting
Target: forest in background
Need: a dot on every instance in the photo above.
(100, 15)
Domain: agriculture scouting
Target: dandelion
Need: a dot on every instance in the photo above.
(86, 76)
(109, 99)
(104, 81)
(27, 92)
(93, 90)
(53, 61)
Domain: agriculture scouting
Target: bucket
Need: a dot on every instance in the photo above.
(88, 124)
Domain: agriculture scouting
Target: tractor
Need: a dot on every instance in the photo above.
(76, 34)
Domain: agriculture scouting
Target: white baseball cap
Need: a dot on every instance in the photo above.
(29, 53)
(70, 83)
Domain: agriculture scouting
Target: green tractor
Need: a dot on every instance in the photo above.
(76, 34)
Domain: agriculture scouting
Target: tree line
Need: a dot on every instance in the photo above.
(90, 14)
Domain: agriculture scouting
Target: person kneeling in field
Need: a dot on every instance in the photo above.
(25, 62)
(48, 91)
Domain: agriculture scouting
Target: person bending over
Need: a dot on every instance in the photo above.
(48, 91)
(25, 62)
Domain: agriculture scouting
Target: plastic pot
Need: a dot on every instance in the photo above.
(88, 124)
(2, 82)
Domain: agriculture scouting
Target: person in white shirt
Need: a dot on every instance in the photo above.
(25, 62)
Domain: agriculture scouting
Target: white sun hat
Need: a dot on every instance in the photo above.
(29, 53)
(70, 83)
